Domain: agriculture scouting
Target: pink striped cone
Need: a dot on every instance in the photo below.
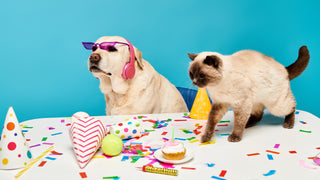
(87, 134)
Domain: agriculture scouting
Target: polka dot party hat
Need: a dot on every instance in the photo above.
(14, 151)
(201, 105)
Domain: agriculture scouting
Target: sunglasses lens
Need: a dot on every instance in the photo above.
(88, 45)
(107, 45)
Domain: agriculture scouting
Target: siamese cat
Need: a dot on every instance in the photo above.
(248, 81)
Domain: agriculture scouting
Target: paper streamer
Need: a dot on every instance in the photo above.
(87, 134)
(127, 129)
(33, 162)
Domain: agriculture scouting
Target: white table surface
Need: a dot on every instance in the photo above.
(232, 157)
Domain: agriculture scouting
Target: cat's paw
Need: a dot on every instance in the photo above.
(288, 125)
(234, 138)
(206, 137)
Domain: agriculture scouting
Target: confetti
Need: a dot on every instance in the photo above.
(180, 120)
(253, 154)
(42, 163)
(44, 139)
(224, 121)
(50, 158)
(270, 157)
(111, 177)
(222, 173)
(27, 127)
(224, 134)
(181, 139)
(210, 164)
(219, 125)
(191, 138)
(303, 122)
(303, 164)
(304, 131)
(276, 146)
(48, 144)
(98, 157)
(190, 168)
(196, 140)
(164, 133)
(206, 143)
(215, 177)
(271, 172)
(83, 175)
(293, 152)
(274, 152)
(34, 146)
(56, 134)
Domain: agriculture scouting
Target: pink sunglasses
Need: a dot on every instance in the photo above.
(108, 46)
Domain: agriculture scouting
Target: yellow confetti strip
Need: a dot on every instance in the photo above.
(206, 143)
(33, 162)
(196, 140)
(97, 157)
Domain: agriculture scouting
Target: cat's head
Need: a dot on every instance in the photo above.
(205, 69)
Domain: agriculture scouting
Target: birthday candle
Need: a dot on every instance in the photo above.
(157, 170)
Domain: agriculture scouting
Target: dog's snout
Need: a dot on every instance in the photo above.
(95, 57)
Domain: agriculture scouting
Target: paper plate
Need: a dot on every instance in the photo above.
(159, 156)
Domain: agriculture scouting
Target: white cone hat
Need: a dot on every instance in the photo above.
(14, 151)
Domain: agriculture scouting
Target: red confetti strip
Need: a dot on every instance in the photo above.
(199, 127)
(180, 120)
(292, 152)
(56, 153)
(164, 133)
(222, 125)
(152, 121)
(27, 139)
(253, 154)
(190, 168)
(318, 148)
(83, 175)
(42, 163)
(274, 152)
(196, 132)
(222, 173)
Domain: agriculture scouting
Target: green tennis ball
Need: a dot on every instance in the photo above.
(112, 145)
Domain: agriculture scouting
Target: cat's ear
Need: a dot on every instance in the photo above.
(212, 61)
(192, 56)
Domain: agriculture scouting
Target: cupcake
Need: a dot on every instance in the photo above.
(173, 150)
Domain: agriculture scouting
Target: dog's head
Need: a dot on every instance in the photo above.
(111, 60)
(107, 62)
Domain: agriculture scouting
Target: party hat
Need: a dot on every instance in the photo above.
(201, 105)
(14, 151)
(87, 134)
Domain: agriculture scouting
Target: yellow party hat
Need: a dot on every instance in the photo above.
(201, 105)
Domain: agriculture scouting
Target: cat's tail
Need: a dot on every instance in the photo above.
(295, 69)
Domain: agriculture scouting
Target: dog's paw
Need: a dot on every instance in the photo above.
(234, 138)
(206, 137)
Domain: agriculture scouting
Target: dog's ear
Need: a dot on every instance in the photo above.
(138, 57)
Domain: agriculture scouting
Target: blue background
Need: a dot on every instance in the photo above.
(44, 66)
